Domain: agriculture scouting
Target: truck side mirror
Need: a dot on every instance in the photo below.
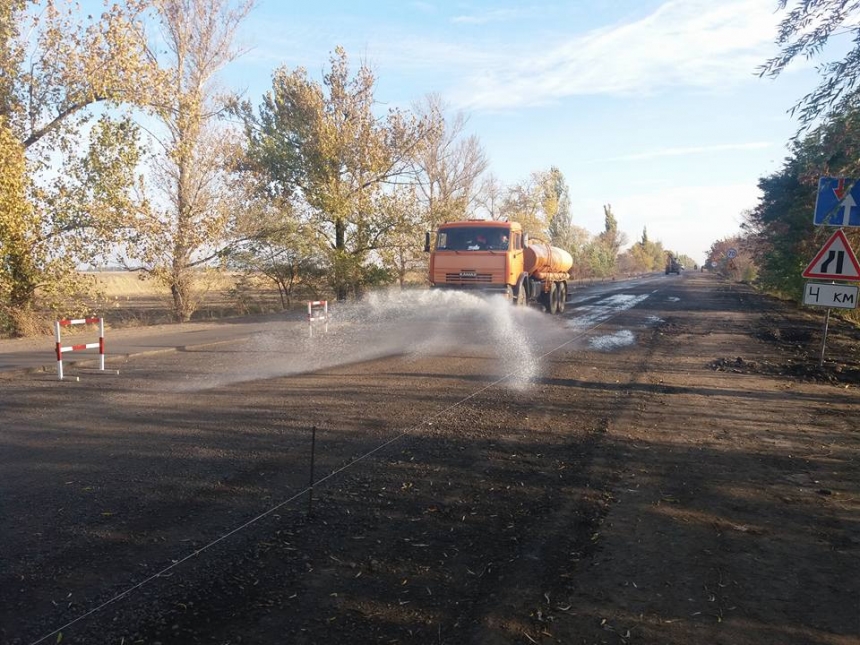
(427, 241)
(525, 240)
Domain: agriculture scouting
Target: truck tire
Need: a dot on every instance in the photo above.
(543, 301)
(520, 295)
(562, 297)
(552, 296)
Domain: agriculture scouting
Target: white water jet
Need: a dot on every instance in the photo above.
(411, 322)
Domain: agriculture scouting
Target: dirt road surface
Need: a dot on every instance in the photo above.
(664, 463)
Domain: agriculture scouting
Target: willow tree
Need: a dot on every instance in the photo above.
(327, 146)
(54, 66)
(804, 32)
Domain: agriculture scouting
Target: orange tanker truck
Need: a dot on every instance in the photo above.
(498, 257)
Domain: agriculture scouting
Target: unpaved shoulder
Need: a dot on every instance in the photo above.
(734, 516)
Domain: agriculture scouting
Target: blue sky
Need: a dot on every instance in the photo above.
(652, 106)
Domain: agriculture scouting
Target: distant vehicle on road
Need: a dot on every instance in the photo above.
(673, 266)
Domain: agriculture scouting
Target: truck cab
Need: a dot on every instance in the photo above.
(477, 254)
(498, 257)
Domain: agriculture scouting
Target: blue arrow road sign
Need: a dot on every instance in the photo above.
(838, 202)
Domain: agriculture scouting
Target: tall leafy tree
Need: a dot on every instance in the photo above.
(646, 254)
(403, 254)
(780, 232)
(524, 203)
(54, 66)
(18, 276)
(325, 145)
(490, 197)
(556, 204)
(603, 250)
(187, 223)
(541, 204)
(578, 247)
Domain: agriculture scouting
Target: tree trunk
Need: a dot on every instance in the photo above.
(341, 283)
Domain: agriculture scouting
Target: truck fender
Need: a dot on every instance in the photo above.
(522, 284)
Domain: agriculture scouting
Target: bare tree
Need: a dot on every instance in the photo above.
(449, 164)
(490, 197)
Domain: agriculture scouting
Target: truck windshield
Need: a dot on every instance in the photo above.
(478, 238)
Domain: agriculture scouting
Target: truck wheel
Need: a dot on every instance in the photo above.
(562, 297)
(543, 301)
(553, 298)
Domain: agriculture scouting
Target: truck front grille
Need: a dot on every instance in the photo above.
(468, 279)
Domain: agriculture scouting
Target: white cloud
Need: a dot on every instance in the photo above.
(495, 15)
(689, 43)
(682, 44)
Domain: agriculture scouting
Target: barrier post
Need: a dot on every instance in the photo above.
(74, 348)
(102, 344)
(317, 311)
(59, 350)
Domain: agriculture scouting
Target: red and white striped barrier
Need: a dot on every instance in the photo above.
(317, 312)
(75, 348)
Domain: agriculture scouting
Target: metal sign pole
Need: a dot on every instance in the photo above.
(824, 339)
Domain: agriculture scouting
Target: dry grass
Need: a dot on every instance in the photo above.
(130, 301)
(123, 284)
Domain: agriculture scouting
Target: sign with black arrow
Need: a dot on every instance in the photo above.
(835, 261)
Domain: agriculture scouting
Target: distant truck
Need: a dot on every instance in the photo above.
(673, 266)
(498, 257)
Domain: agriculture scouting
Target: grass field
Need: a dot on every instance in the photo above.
(129, 300)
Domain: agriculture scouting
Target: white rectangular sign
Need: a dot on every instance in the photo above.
(830, 295)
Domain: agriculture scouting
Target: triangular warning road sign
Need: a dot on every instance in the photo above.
(835, 261)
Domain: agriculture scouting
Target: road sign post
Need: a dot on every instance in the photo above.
(840, 296)
(824, 339)
(838, 202)
(835, 261)
(832, 295)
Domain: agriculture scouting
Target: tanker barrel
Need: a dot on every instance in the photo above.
(543, 258)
